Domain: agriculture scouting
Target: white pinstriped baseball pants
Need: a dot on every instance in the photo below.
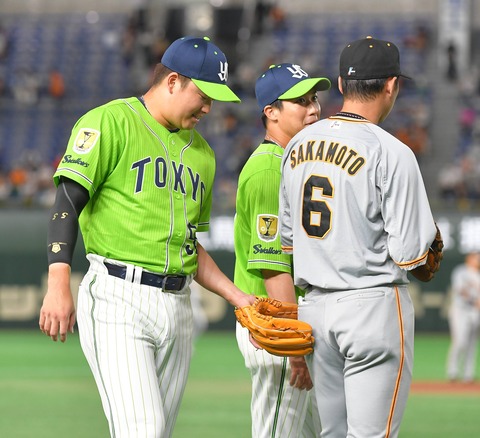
(137, 340)
(278, 410)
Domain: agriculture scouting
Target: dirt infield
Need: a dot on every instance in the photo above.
(439, 387)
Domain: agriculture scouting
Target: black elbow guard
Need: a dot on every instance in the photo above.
(70, 200)
(62, 236)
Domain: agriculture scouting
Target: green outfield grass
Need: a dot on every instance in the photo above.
(46, 390)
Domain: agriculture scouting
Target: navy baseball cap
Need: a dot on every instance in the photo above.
(204, 63)
(369, 58)
(286, 81)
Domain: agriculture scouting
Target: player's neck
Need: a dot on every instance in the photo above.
(278, 138)
(368, 112)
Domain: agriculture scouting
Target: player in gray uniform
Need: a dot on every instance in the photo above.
(355, 215)
(464, 319)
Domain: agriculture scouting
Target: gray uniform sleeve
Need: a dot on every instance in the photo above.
(285, 219)
(405, 208)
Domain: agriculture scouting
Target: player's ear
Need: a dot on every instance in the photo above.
(391, 85)
(172, 79)
(340, 87)
(270, 112)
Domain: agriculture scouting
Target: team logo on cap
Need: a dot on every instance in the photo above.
(223, 75)
(85, 140)
(267, 227)
(297, 71)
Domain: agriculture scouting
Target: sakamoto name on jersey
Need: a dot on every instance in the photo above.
(343, 156)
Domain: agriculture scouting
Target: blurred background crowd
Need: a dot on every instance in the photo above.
(58, 60)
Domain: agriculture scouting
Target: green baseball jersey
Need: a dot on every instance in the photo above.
(150, 189)
(257, 242)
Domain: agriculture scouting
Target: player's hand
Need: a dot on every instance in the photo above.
(244, 299)
(254, 342)
(300, 376)
(57, 315)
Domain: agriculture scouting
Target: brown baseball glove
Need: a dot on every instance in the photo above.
(435, 255)
(274, 326)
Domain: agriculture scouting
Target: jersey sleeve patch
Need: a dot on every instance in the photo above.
(267, 227)
(85, 140)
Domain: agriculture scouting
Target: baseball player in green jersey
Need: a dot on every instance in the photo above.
(281, 405)
(355, 215)
(138, 179)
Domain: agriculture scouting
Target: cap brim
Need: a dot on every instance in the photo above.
(303, 87)
(216, 91)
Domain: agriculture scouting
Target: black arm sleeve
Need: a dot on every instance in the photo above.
(62, 234)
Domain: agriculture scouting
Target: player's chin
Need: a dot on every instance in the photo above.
(190, 123)
(311, 122)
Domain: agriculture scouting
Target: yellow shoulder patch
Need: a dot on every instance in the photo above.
(267, 227)
(85, 140)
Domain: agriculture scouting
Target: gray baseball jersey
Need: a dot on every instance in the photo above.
(355, 214)
(379, 180)
(464, 322)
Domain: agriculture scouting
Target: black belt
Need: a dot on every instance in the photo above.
(165, 282)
